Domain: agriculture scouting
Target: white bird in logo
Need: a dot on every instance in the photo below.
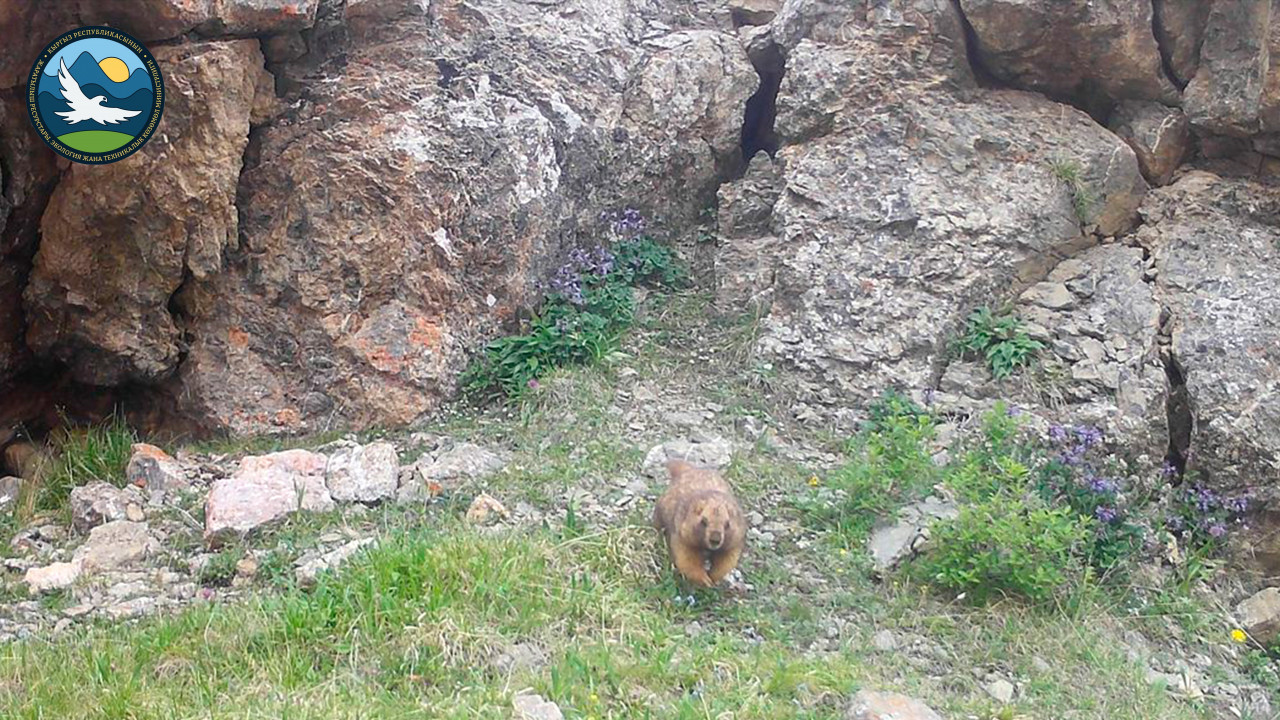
(83, 108)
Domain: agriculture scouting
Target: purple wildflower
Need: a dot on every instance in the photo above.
(1089, 435)
(1238, 505)
(1217, 530)
(1057, 433)
(1105, 513)
(1168, 469)
(627, 223)
(533, 383)
(1101, 485)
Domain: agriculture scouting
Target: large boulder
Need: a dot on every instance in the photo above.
(118, 241)
(1235, 84)
(1084, 50)
(1216, 243)
(397, 218)
(1179, 30)
(264, 489)
(897, 206)
(1159, 135)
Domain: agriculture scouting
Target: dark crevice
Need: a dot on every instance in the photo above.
(762, 107)
(1163, 44)
(1181, 419)
(981, 73)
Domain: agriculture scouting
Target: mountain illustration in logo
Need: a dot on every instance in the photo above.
(96, 100)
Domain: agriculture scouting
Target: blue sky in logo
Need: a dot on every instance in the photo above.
(99, 48)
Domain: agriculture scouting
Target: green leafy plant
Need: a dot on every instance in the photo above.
(589, 305)
(1000, 340)
(995, 461)
(890, 464)
(1007, 545)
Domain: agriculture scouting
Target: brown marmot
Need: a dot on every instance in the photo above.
(702, 523)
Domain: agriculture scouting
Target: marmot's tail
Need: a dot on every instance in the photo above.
(678, 467)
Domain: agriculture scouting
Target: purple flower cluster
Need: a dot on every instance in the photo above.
(1203, 510)
(583, 265)
(625, 223)
(1075, 442)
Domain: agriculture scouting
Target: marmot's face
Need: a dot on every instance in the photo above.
(713, 525)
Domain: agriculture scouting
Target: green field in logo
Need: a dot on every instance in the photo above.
(95, 95)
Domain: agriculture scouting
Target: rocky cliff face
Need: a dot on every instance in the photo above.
(924, 171)
(348, 196)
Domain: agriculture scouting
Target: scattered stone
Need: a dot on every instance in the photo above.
(1040, 665)
(425, 478)
(98, 503)
(307, 573)
(1052, 295)
(53, 577)
(890, 544)
(871, 705)
(246, 567)
(10, 488)
(754, 12)
(264, 489)
(486, 510)
(1001, 690)
(364, 474)
(534, 707)
(1260, 615)
(114, 545)
(155, 471)
(714, 452)
(520, 657)
(884, 641)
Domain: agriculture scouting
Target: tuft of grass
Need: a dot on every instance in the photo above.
(1083, 198)
(81, 456)
(1000, 340)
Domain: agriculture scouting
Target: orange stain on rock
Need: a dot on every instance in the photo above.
(237, 338)
(426, 334)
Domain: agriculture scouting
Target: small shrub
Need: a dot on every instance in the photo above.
(1006, 545)
(1000, 340)
(890, 465)
(892, 405)
(589, 304)
(995, 462)
(84, 455)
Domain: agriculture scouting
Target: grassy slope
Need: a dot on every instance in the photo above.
(417, 627)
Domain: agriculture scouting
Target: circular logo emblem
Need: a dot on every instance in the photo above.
(95, 95)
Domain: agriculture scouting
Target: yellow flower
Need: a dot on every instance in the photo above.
(844, 551)
(1238, 635)
(595, 698)
(814, 481)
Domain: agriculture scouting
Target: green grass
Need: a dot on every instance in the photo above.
(95, 141)
(80, 456)
(418, 626)
(1083, 199)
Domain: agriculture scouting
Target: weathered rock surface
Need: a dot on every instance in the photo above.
(1076, 49)
(891, 543)
(486, 510)
(371, 214)
(307, 572)
(871, 705)
(1179, 30)
(1259, 615)
(1159, 135)
(535, 707)
(459, 461)
(901, 206)
(117, 241)
(264, 489)
(711, 452)
(115, 544)
(52, 577)
(1216, 244)
(155, 471)
(1230, 88)
(367, 473)
(99, 502)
